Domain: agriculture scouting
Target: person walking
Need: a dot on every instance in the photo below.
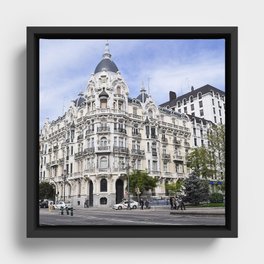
(147, 204)
(141, 203)
(181, 204)
(171, 202)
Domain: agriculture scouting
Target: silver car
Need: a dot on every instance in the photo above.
(124, 205)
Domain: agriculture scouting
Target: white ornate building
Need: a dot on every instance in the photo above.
(87, 153)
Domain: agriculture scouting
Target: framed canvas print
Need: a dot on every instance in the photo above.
(132, 132)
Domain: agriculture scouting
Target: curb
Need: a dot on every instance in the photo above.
(196, 213)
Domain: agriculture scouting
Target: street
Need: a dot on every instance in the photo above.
(108, 216)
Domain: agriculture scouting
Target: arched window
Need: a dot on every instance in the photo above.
(118, 90)
(103, 103)
(199, 95)
(103, 185)
(103, 163)
(191, 98)
(150, 113)
(103, 200)
(179, 104)
(184, 101)
(103, 141)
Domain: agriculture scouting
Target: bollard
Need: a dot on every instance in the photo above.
(71, 211)
(67, 210)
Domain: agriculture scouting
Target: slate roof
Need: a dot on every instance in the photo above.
(204, 89)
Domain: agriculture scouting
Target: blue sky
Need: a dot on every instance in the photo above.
(162, 65)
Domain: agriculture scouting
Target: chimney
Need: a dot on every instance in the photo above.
(172, 95)
(192, 88)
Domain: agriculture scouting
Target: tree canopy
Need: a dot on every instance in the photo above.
(199, 160)
(142, 181)
(196, 190)
(46, 191)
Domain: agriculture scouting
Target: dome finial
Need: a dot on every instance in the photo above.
(142, 90)
(107, 54)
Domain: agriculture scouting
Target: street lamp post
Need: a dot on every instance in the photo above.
(128, 183)
(64, 179)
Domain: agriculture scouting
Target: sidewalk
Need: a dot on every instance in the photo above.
(200, 211)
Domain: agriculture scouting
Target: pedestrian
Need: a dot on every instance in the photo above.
(181, 204)
(177, 204)
(171, 202)
(141, 203)
(147, 204)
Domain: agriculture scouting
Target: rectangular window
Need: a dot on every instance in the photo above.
(185, 109)
(220, 112)
(165, 167)
(149, 165)
(201, 112)
(154, 166)
(194, 131)
(179, 110)
(221, 121)
(71, 150)
(192, 107)
(200, 104)
(71, 168)
(195, 142)
(213, 101)
(214, 110)
(215, 119)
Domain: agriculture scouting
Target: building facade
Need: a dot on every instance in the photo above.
(205, 102)
(89, 151)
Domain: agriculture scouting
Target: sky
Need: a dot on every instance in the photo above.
(160, 65)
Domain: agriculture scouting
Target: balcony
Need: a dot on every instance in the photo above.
(103, 129)
(120, 130)
(54, 163)
(88, 151)
(136, 135)
(164, 140)
(80, 137)
(103, 169)
(78, 155)
(88, 133)
(177, 142)
(166, 156)
(177, 157)
(103, 149)
(137, 152)
(119, 96)
(154, 172)
(120, 150)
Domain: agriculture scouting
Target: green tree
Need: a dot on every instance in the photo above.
(46, 191)
(196, 190)
(216, 149)
(174, 187)
(142, 181)
(199, 160)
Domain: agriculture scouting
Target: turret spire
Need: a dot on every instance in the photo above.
(107, 54)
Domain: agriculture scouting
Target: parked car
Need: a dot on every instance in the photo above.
(62, 204)
(45, 203)
(124, 205)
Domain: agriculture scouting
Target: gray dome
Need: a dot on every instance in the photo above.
(79, 101)
(143, 97)
(107, 65)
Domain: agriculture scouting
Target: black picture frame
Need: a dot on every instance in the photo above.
(230, 34)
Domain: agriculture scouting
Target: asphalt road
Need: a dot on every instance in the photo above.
(157, 216)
